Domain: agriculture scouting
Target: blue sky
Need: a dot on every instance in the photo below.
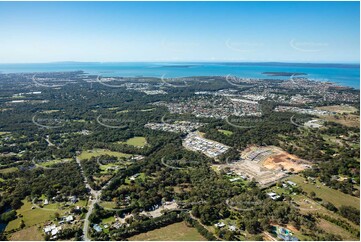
(179, 31)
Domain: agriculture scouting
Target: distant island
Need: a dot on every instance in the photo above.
(284, 73)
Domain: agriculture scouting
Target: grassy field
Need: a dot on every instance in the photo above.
(333, 196)
(9, 170)
(178, 231)
(98, 152)
(137, 141)
(108, 220)
(334, 229)
(338, 108)
(50, 111)
(31, 233)
(225, 132)
(105, 204)
(53, 162)
(349, 120)
(344, 115)
(31, 217)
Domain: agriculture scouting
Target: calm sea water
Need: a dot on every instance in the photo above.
(342, 74)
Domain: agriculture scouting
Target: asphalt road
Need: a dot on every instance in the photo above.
(94, 198)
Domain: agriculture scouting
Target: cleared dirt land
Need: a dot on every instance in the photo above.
(31, 233)
(338, 108)
(274, 158)
(285, 161)
(178, 231)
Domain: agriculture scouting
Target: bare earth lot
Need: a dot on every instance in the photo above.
(31, 233)
(178, 231)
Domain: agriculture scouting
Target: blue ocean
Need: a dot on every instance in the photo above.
(341, 74)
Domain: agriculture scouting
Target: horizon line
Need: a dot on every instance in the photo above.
(184, 61)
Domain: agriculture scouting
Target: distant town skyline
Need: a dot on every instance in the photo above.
(314, 32)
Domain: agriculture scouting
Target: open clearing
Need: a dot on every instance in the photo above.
(31, 216)
(274, 158)
(50, 111)
(178, 231)
(99, 152)
(9, 170)
(350, 120)
(53, 162)
(137, 141)
(266, 164)
(333, 196)
(225, 132)
(343, 114)
(107, 205)
(31, 233)
(338, 108)
(285, 161)
(334, 229)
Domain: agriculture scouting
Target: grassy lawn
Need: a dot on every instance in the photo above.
(31, 233)
(137, 141)
(98, 152)
(225, 132)
(333, 196)
(31, 216)
(105, 204)
(81, 203)
(108, 220)
(9, 170)
(178, 232)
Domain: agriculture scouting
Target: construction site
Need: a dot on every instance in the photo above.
(266, 165)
